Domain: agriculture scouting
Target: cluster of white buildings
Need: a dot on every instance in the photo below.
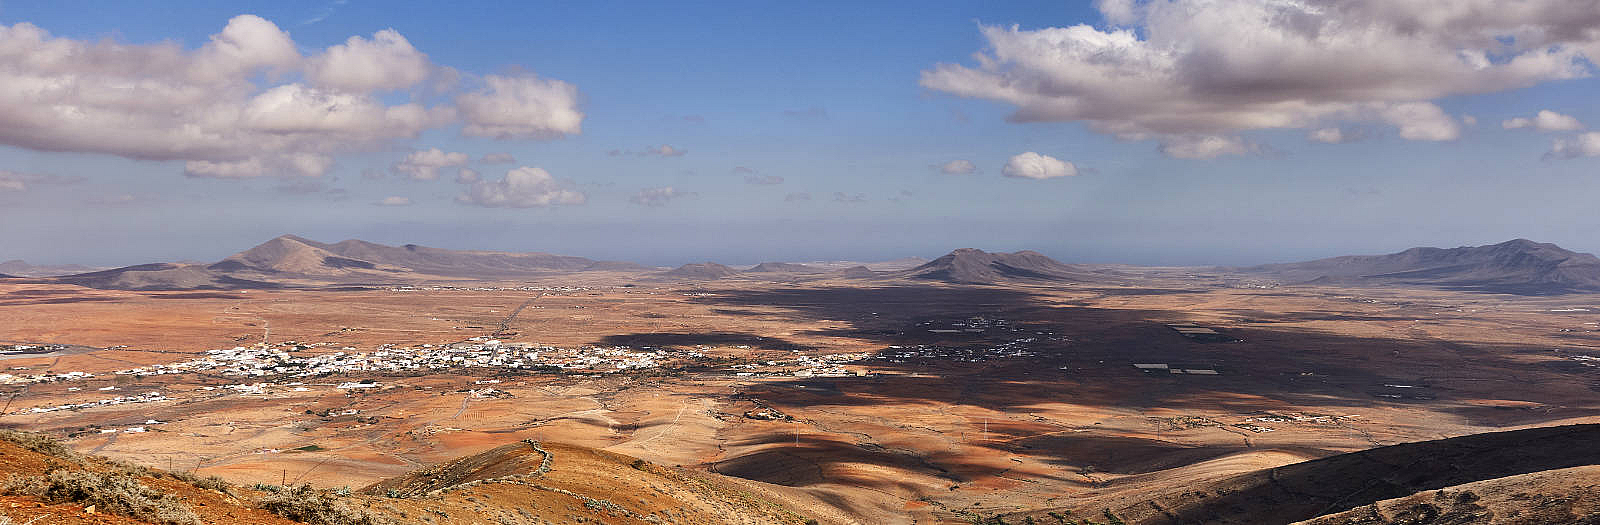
(10, 379)
(828, 365)
(1251, 423)
(970, 354)
(825, 365)
(147, 397)
(971, 325)
(266, 361)
(30, 349)
(1299, 418)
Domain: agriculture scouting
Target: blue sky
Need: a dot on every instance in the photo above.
(836, 99)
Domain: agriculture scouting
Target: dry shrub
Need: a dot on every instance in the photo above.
(207, 483)
(213, 483)
(113, 493)
(41, 443)
(318, 507)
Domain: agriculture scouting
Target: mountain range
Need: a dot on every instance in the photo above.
(291, 261)
(1518, 266)
(293, 255)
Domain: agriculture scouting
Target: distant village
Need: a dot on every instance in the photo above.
(280, 362)
(264, 361)
(284, 365)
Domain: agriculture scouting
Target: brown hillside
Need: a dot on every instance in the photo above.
(1569, 495)
(1335, 484)
(563, 483)
(521, 483)
(1517, 266)
(18, 461)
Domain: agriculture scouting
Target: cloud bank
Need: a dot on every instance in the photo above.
(1206, 70)
(958, 167)
(237, 106)
(524, 187)
(1545, 120)
(1583, 145)
(17, 181)
(656, 197)
(425, 164)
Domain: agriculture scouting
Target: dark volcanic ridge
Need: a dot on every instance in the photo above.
(768, 271)
(298, 256)
(21, 268)
(705, 271)
(162, 276)
(1519, 266)
(783, 267)
(973, 266)
(893, 265)
(288, 258)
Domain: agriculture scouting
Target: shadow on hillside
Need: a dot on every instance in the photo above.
(1334, 484)
(1085, 354)
(815, 459)
(1081, 354)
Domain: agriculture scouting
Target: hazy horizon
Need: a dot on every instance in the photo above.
(1155, 260)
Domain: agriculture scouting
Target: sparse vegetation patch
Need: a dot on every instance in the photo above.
(114, 493)
(41, 443)
(317, 507)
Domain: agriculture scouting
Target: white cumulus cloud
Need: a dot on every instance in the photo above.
(655, 197)
(387, 62)
(1545, 120)
(958, 167)
(1204, 146)
(1582, 145)
(1032, 165)
(664, 151)
(246, 103)
(1421, 121)
(1220, 67)
(1337, 135)
(394, 201)
(512, 107)
(425, 164)
(524, 187)
(1327, 135)
(497, 158)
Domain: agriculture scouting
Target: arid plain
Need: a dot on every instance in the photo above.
(885, 401)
